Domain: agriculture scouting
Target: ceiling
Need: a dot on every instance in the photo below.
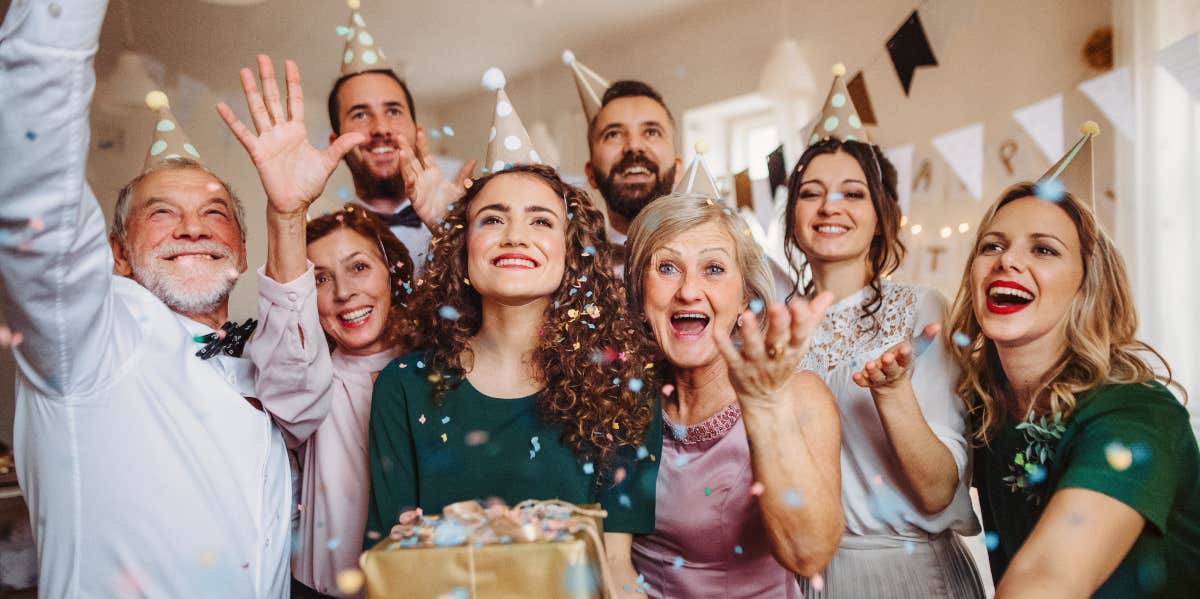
(444, 45)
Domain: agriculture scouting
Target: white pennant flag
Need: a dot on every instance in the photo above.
(1043, 121)
(962, 149)
(1182, 61)
(902, 158)
(1112, 93)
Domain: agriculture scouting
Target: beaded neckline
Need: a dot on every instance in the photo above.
(713, 427)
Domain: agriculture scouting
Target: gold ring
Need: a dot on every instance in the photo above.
(774, 351)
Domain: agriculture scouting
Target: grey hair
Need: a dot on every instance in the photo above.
(675, 214)
(120, 221)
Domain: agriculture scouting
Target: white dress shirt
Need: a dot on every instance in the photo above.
(146, 471)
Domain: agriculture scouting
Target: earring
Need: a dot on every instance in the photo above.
(739, 322)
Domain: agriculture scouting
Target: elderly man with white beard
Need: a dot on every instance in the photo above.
(152, 456)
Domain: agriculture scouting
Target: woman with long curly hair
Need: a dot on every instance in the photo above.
(1089, 475)
(904, 447)
(749, 476)
(530, 387)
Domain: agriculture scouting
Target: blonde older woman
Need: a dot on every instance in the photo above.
(748, 487)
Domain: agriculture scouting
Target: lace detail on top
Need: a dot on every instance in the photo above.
(844, 335)
(713, 427)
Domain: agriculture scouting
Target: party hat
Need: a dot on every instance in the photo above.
(509, 142)
(839, 118)
(170, 141)
(361, 54)
(696, 179)
(1073, 172)
(591, 86)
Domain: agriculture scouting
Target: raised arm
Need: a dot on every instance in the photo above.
(792, 426)
(55, 262)
(289, 349)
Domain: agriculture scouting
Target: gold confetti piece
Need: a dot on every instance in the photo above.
(443, 437)
(572, 313)
(350, 581)
(616, 425)
(576, 346)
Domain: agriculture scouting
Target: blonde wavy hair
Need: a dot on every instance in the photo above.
(1101, 326)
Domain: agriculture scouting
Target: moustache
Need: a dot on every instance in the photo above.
(219, 251)
(631, 160)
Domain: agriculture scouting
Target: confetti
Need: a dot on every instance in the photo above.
(635, 385)
(589, 251)
(589, 469)
(991, 540)
(668, 389)
(349, 581)
(448, 312)
(681, 460)
(679, 432)
(737, 549)
(333, 543)
(30, 135)
(678, 563)
(456, 593)
(420, 364)
(756, 305)
(343, 193)
(625, 501)
(642, 452)
(448, 130)
(792, 498)
(835, 196)
(757, 489)
(37, 224)
(909, 547)
(960, 339)
(475, 438)
(707, 492)
(921, 342)
(817, 582)
(443, 437)
(1118, 455)
(1051, 191)
(445, 420)
(618, 475)
(421, 419)
(536, 447)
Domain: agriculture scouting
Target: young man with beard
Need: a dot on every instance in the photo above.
(151, 455)
(394, 174)
(632, 153)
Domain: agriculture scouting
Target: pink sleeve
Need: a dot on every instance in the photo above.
(291, 355)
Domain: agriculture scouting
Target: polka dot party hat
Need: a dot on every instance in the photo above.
(1073, 172)
(697, 179)
(839, 118)
(361, 54)
(508, 142)
(591, 87)
(170, 142)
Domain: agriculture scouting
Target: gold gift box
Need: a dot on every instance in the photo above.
(570, 568)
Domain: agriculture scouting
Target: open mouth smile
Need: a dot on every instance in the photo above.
(688, 324)
(355, 318)
(1007, 297)
(515, 261)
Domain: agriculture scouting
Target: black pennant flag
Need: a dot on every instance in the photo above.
(776, 170)
(909, 49)
(862, 102)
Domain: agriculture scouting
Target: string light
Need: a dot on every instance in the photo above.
(945, 232)
(963, 227)
(916, 229)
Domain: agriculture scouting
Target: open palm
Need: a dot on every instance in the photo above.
(293, 172)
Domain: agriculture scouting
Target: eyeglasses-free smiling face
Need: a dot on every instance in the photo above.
(693, 285)
(835, 219)
(516, 240)
(1027, 270)
(353, 290)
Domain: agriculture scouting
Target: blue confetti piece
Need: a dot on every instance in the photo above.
(30, 135)
(333, 543)
(678, 563)
(434, 133)
(573, 291)
(737, 549)
(588, 468)
(920, 343)
(1051, 191)
(635, 385)
(448, 312)
(835, 196)
(445, 420)
(343, 193)
(460, 593)
(624, 500)
(588, 294)
(642, 453)
(570, 215)
(679, 432)
(617, 381)
(589, 251)
(909, 547)
(536, 447)
(681, 460)
(960, 339)
(420, 364)
(448, 130)
(756, 305)
(793, 498)
(583, 279)
(991, 540)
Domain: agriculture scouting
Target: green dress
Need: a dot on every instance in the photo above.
(1131, 442)
(475, 447)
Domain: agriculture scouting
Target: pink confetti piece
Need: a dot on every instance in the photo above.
(421, 419)
(619, 476)
(668, 389)
(37, 224)
(757, 489)
(817, 582)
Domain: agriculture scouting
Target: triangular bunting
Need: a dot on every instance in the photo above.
(858, 95)
(1043, 121)
(909, 49)
(1112, 93)
(1182, 61)
(962, 149)
(902, 158)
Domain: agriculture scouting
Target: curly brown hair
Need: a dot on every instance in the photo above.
(396, 331)
(886, 251)
(584, 354)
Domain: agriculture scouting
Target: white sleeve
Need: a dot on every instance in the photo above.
(55, 262)
(934, 378)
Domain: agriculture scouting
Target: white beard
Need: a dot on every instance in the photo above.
(198, 286)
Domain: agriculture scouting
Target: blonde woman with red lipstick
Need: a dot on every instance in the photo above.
(1089, 476)
(904, 449)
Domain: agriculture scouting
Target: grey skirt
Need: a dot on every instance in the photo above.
(940, 566)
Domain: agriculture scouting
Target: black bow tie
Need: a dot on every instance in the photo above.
(406, 217)
(230, 340)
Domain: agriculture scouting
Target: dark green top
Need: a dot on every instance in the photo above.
(491, 448)
(1132, 443)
